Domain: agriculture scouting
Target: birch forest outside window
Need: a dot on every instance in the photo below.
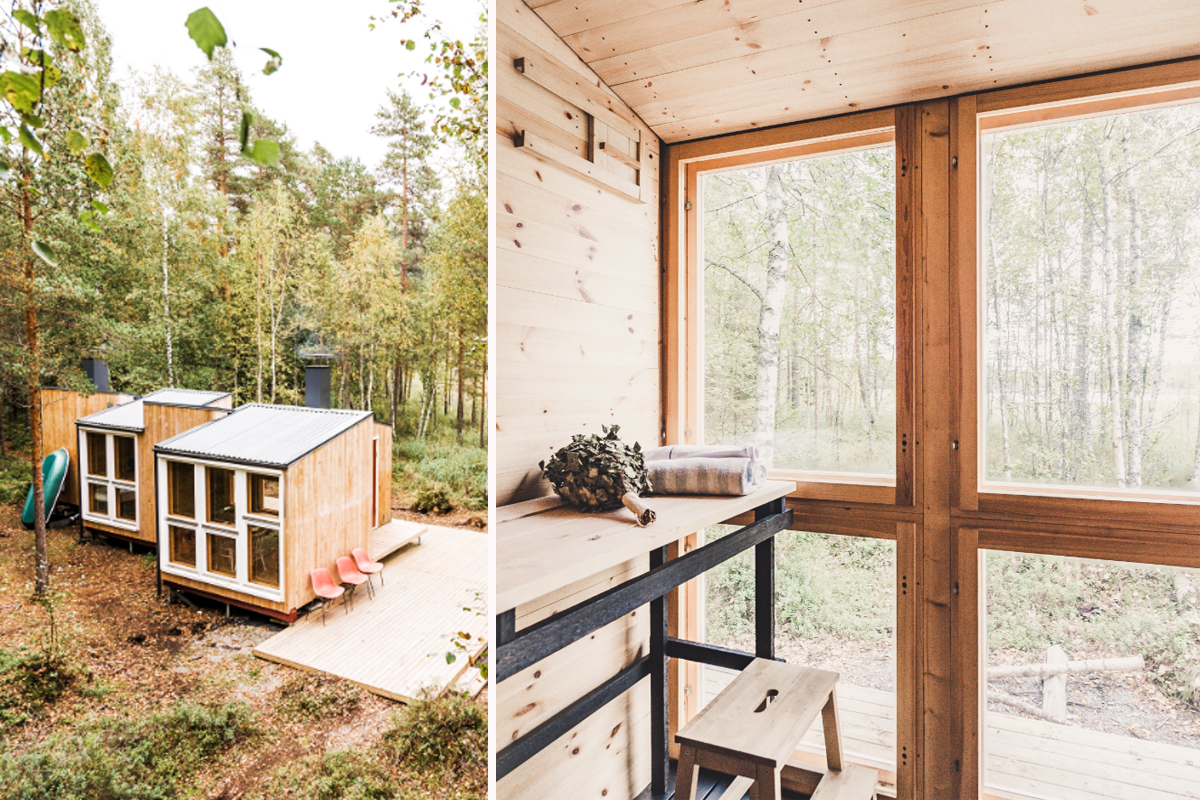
(799, 320)
(1090, 326)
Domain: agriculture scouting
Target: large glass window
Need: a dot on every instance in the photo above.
(181, 489)
(799, 333)
(264, 555)
(97, 454)
(264, 494)
(1090, 252)
(183, 545)
(1093, 678)
(123, 448)
(220, 496)
(222, 555)
(835, 609)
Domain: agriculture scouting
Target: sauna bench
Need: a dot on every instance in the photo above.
(543, 546)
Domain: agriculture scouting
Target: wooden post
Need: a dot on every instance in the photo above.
(1054, 687)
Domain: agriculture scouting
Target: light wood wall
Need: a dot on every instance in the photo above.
(577, 269)
(327, 509)
(60, 409)
(160, 422)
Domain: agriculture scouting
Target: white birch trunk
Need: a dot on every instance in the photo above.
(770, 315)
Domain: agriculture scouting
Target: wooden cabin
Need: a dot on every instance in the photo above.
(115, 449)
(611, 117)
(250, 503)
(60, 409)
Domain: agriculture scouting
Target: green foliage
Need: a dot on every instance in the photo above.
(316, 697)
(433, 500)
(150, 757)
(826, 585)
(31, 680)
(1096, 609)
(98, 169)
(65, 28)
(444, 733)
(14, 478)
(206, 31)
(594, 472)
(337, 775)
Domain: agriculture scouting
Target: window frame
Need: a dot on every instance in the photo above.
(683, 302)
(202, 528)
(112, 484)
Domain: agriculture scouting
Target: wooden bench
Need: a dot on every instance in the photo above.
(755, 723)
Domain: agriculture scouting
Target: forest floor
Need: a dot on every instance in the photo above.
(125, 656)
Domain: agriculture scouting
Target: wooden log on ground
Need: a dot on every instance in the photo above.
(1132, 664)
(1019, 704)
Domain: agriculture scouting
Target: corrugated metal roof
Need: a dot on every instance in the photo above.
(274, 436)
(128, 416)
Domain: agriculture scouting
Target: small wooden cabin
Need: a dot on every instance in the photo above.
(610, 118)
(60, 409)
(250, 503)
(116, 451)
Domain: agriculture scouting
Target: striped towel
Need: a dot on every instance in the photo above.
(721, 476)
(672, 451)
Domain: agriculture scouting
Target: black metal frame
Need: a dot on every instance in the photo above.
(517, 650)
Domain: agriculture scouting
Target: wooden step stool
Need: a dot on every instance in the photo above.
(755, 723)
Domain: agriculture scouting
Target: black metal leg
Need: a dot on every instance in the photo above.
(660, 763)
(764, 586)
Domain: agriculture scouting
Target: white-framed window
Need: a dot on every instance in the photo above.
(110, 474)
(221, 524)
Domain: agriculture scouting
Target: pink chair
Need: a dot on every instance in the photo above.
(366, 565)
(350, 575)
(325, 588)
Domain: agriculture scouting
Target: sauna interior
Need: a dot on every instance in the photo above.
(954, 246)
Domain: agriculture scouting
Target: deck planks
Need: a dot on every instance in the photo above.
(1024, 758)
(385, 643)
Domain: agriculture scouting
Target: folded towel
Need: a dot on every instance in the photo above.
(675, 451)
(723, 476)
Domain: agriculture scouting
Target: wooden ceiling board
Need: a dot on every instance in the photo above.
(902, 86)
(695, 69)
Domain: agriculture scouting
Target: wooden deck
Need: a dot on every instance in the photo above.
(1024, 758)
(391, 536)
(384, 643)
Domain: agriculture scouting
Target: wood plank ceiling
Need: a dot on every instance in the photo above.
(696, 68)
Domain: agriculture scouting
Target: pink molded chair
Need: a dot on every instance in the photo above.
(350, 575)
(366, 565)
(325, 588)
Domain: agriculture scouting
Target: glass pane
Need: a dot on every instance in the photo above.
(98, 498)
(835, 609)
(126, 463)
(126, 504)
(1091, 292)
(222, 555)
(799, 286)
(264, 555)
(220, 496)
(181, 488)
(264, 495)
(1093, 685)
(97, 448)
(183, 546)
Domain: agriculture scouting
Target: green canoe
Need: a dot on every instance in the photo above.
(54, 473)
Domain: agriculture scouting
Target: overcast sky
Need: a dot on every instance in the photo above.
(335, 68)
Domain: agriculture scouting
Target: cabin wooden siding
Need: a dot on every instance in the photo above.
(326, 509)
(577, 266)
(383, 474)
(60, 409)
(160, 422)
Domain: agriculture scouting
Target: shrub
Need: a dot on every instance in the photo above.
(149, 758)
(442, 733)
(433, 500)
(336, 775)
(31, 680)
